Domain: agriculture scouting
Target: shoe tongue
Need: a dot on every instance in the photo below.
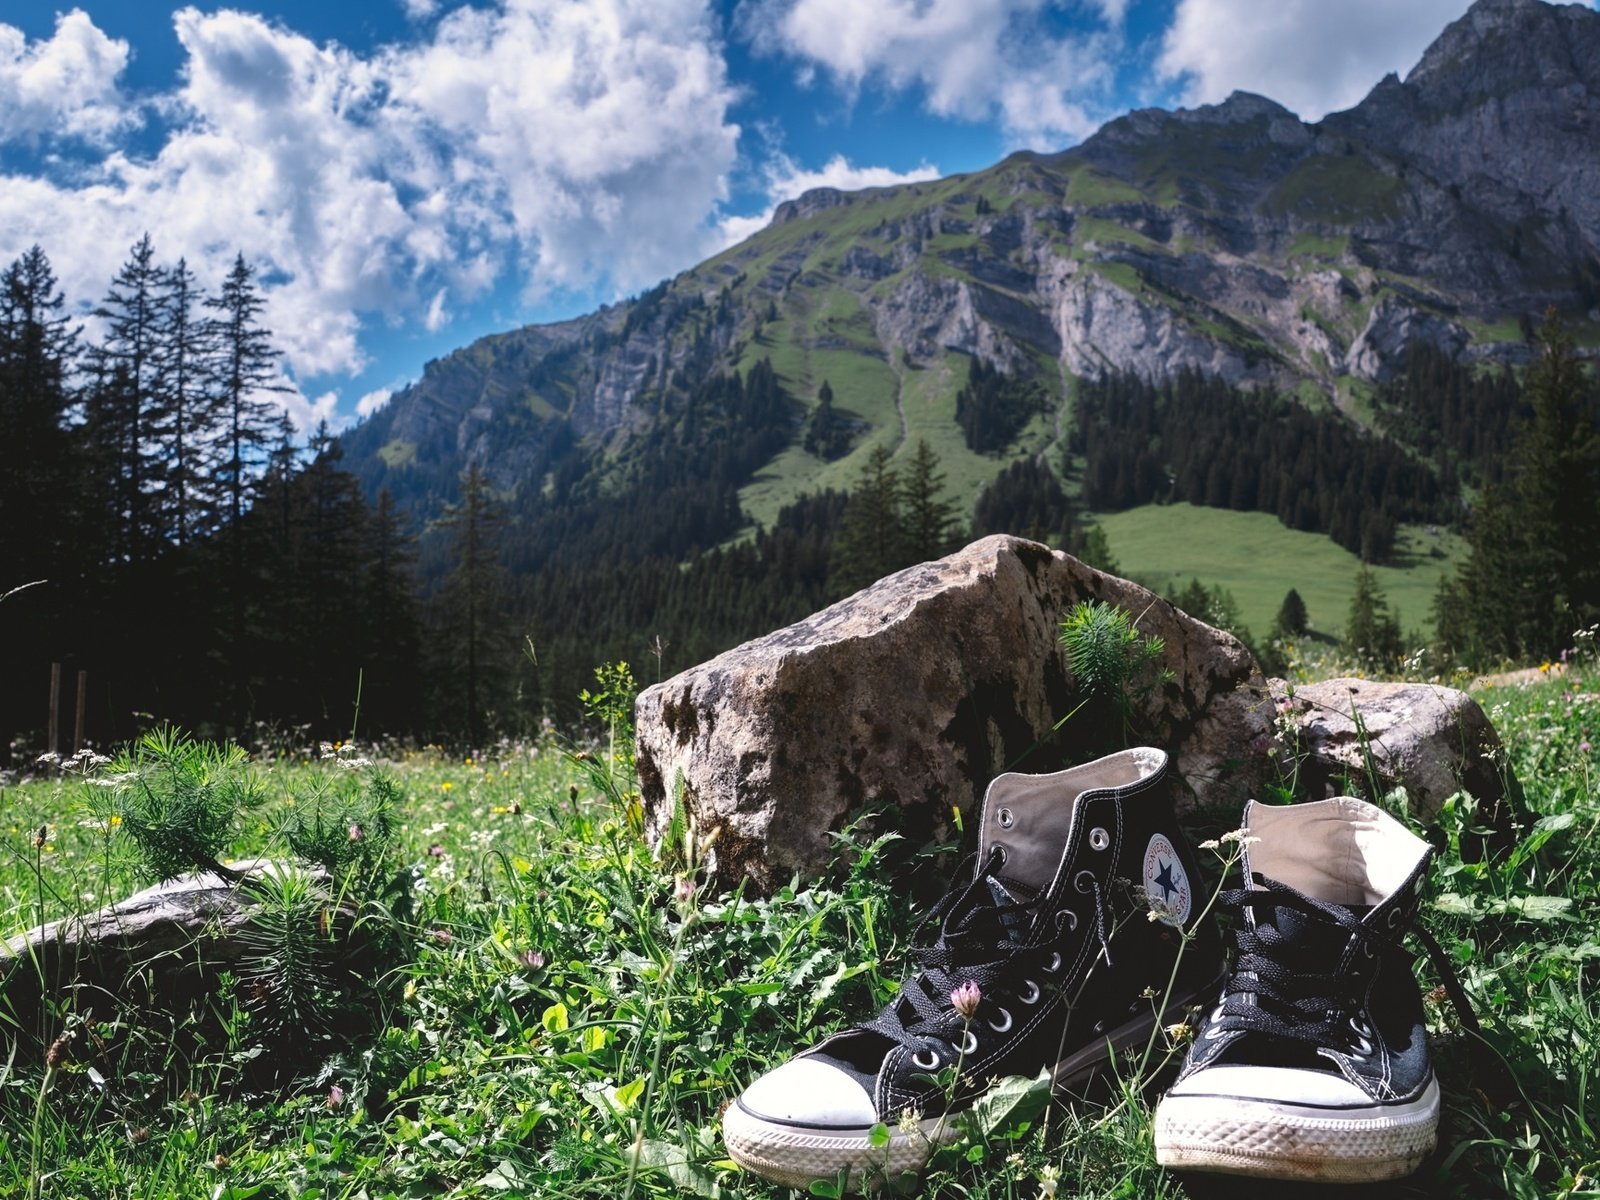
(1305, 941)
(1008, 896)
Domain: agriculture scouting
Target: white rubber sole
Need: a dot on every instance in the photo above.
(1271, 1139)
(798, 1156)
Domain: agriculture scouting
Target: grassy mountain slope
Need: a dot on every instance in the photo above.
(1232, 239)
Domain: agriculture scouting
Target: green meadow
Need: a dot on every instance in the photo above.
(570, 1007)
(1258, 559)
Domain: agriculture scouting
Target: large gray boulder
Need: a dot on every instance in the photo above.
(913, 694)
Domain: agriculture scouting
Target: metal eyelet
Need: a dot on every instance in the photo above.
(1099, 838)
(1394, 917)
(1055, 957)
(1078, 881)
(930, 1065)
(1006, 818)
(1000, 849)
(1001, 1026)
(969, 1042)
(1031, 996)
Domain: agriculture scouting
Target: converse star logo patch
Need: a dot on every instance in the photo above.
(1166, 885)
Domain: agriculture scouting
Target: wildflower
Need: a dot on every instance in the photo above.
(683, 889)
(335, 1097)
(40, 838)
(435, 851)
(1210, 844)
(140, 1134)
(965, 998)
(1584, 747)
(220, 1162)
(532, 959)
(1178, 1033)
(442, 936)
(446, 786)
(355, 833)
(1049, 1180)
(910, 1121)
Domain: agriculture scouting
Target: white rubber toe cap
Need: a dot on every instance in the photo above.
(808, 1091)
(1287, 1085)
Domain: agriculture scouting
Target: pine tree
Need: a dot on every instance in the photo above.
(872, 542)
(392, 637)
(472, 604)
(184, 424)
(1292, 619)
(38, 356)
(1533, 576)
(131, 371)
(929, 516)
(245, 370)
(1095, 549)
(245, 373)
(1372, 633)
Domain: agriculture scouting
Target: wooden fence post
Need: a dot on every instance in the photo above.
(83, 710)
(55, 709)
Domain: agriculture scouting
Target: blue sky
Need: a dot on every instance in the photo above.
(409, 175)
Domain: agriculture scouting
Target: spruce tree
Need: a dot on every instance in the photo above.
(1372, 633)
(1533, 576)
(185, 410)
(1095, 549)
(1292, 619)
(872, 542)
(131, 369)
(38, 357)
(929, 516)
(472, 605)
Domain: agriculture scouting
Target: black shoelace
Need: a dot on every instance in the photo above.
(1271, 989)
(987, 936)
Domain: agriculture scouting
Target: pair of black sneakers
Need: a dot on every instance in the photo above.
(1079, 931)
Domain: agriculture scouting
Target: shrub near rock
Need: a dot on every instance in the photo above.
(279, 961)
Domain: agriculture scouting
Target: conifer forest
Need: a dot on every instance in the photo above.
(167, 533)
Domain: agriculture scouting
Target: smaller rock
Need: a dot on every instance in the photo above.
(1433, 741)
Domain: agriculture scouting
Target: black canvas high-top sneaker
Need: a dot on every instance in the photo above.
(1059, 942)
(1314, 1063)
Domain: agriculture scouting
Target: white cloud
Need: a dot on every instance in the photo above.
(973, 59)
(420, 10)
(307, 414)
(372, 402)
(785, 180)
(1309, 55)
(572, 145)
(66, 86)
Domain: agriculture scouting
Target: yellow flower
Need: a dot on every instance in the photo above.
(446, 786)
(116, 819)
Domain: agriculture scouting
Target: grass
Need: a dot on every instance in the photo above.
(1258, 559)
(579, 1010)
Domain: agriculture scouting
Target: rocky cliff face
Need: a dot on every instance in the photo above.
(1233, 239)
